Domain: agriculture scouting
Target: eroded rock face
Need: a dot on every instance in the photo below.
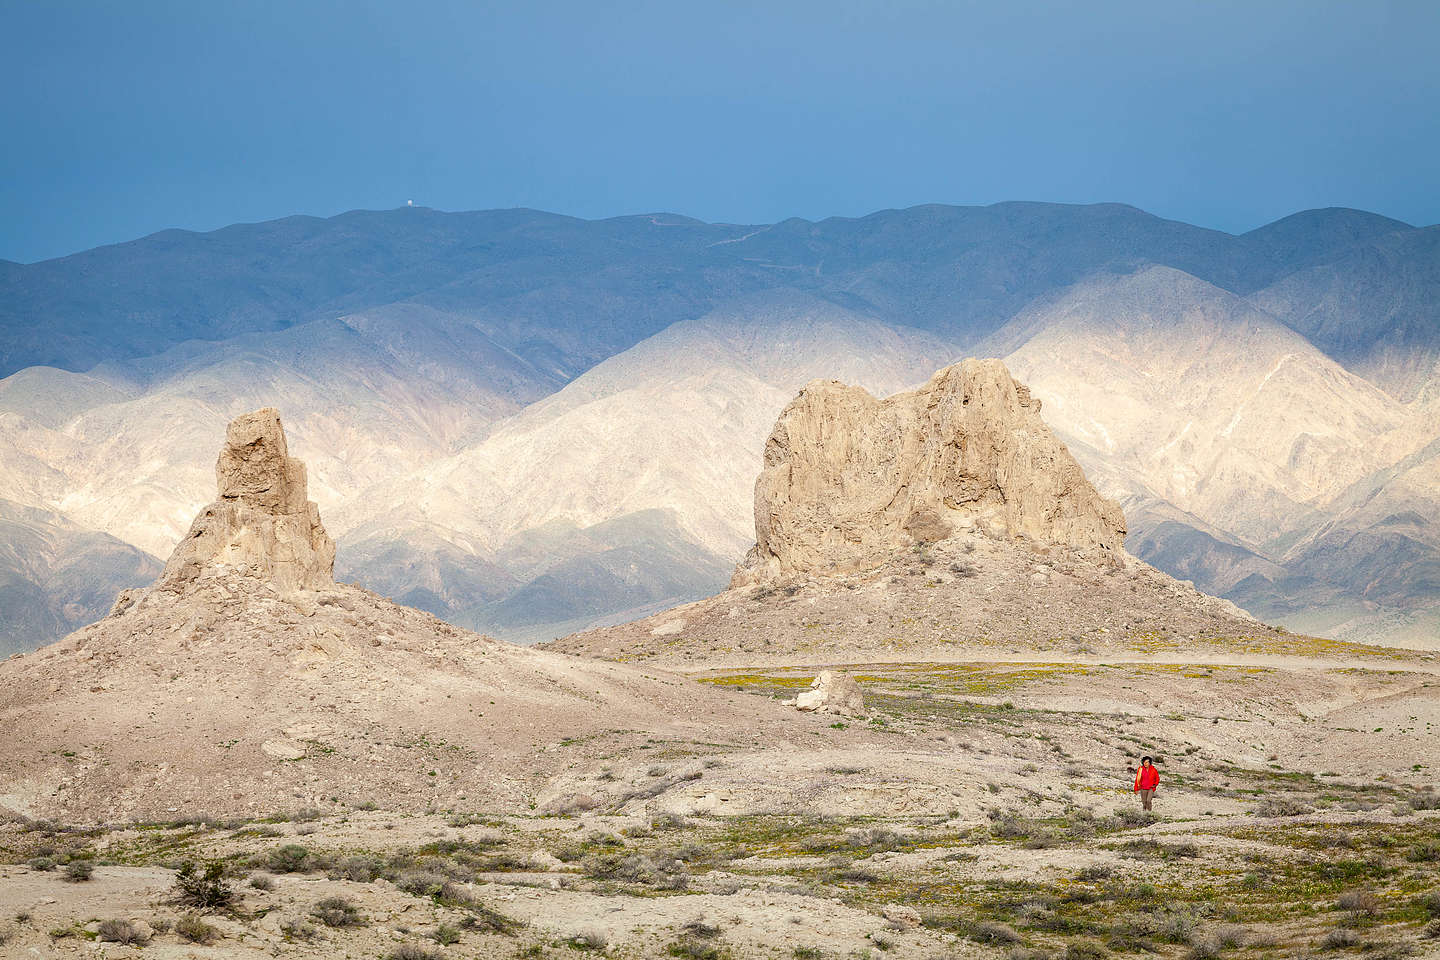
(849, 480)
(832, 692)
(261, 525)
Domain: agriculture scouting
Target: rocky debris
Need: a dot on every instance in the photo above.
(849, 481)
(833, 692)
(262, 524)
(952, 598)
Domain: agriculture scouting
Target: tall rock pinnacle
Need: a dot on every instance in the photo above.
(849, 480)
(261, 524)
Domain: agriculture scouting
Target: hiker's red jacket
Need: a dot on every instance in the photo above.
(1147, 778)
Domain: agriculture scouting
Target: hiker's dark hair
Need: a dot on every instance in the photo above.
(1144, 759)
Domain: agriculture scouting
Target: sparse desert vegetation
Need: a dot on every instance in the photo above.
(1243, 857)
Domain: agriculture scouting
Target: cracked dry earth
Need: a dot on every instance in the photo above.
(979, 808)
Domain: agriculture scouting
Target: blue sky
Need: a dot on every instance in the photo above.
(120, 119)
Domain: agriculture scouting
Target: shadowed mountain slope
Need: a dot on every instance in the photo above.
(56, 576)
(1376, 309)
(563, 293)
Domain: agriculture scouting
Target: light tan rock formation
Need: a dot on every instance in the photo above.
(262, 524)
(832, 692)
(246, 681)
(849, 480)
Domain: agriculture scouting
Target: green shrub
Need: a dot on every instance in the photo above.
(589, 941)
(694, 948)
(488, 920)
(1177, 928)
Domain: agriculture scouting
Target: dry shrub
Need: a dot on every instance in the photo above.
(78, 871)
(1085, 950)
(1359, 901)
(337, 912)
(1282, 807)
(1205, 950)
(1230, 937)
(205, 889)
(360, 869)
(414, 951)
(194, 930)
(289, 858)
(1339, 939)
(123, 932)
(1427, 851)
(989, 931)
(299, 929)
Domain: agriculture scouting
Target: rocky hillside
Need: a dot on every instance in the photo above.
(247, 681)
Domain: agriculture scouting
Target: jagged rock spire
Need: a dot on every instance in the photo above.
(262, 525)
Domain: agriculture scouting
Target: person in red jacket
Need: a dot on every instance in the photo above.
(1147, 778)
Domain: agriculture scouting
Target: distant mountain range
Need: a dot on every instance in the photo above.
(529, 423)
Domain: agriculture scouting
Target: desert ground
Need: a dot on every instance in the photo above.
(980, 806)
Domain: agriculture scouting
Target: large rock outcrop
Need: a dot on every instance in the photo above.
(246, 682)
(262, 524)
(849, 480)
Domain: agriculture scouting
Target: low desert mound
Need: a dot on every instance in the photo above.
(246, 681)
(947, 515)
